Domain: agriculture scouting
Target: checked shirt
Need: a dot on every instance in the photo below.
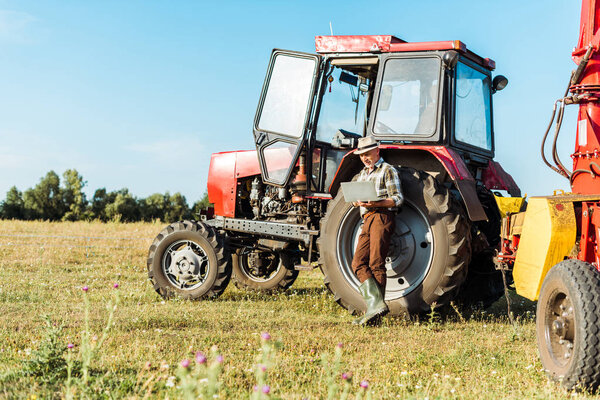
(387, 182)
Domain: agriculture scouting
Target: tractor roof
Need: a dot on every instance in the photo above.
(390, 44)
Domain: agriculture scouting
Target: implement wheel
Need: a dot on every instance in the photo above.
(567, 326)
(262, 270)
(188, 259)
(429, 250)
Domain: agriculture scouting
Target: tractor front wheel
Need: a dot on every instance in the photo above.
(188, 259)
(568, 324)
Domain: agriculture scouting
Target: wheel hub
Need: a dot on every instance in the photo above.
(260, 266)
(560, 332)
(186, 265)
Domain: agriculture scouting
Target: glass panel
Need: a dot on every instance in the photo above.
(473, 118)
(278, 157)
(342, 107)
(408, 101)
(288, 95)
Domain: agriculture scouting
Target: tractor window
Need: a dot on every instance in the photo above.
(288, 96)
(343, 105)
(408, 102)
(472, 123)
(277, 157)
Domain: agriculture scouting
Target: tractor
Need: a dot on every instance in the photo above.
(279, 209)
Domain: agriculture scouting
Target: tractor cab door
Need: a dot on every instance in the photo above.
(285, 107)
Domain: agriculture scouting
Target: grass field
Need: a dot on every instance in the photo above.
(460, 355)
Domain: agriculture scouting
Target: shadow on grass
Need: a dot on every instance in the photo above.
(253, 295)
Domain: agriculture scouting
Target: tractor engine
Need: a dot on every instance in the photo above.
(276, 203)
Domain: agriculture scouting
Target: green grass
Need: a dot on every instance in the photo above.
(474, 355)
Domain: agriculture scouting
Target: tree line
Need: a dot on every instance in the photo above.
(55, 201)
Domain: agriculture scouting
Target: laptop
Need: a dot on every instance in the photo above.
(359, 191)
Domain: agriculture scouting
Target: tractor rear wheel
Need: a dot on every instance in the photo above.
(262, 270)
(428, 256)
(568, 324)
(188, 259)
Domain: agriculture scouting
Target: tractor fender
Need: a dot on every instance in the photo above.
(436, 160)
(495, 177)
(223, 173)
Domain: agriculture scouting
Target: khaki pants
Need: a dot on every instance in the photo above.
(373, 245)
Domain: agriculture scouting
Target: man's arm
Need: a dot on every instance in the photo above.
(394, 190)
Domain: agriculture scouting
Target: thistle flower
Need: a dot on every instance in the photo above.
(70, 346)
(220, 359)
(347, 376)
(265, 336)
(266, 389)
(340, 345)
(364, 384)
(200, 358)
(116, 285)
(185, 363)
(85, 288)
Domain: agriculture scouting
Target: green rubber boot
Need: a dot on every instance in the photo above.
(376, 307)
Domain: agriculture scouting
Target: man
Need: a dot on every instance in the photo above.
(378, 226)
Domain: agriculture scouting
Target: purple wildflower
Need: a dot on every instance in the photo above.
(364, 384)
(340, 345)
(85, 288)
(266, 389)
(200, 358)
(346, 376)
(265, 336)
(220, 359)
(185, 363)
(255, 388)
(262, 367)
(70, 346)
(116, 285)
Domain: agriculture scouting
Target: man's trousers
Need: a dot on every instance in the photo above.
(373, 245)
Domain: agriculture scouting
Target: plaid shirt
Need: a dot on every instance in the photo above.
(387, 182)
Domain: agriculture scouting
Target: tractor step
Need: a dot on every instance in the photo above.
(305, 267)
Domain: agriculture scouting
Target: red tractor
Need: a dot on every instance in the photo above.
(278, 209)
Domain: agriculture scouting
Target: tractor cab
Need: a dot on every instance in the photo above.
(317, 105)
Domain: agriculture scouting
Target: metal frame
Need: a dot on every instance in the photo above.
(436, 136)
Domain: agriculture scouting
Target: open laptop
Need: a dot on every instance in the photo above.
(359, 191)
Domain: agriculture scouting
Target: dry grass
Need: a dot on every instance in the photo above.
(472, 356)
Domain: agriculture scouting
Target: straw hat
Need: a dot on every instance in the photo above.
(366, 144)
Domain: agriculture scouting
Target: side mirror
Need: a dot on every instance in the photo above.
(499, 83)
(385, 97)
(349, 79)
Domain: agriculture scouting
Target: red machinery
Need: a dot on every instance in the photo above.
(553, 246)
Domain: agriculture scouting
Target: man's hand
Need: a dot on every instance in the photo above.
(389, 202)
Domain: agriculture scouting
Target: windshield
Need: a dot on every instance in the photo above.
(408, 102)
(343, 104)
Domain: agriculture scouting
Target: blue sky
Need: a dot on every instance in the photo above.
(138, 94)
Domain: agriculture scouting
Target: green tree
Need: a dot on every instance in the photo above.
(177, 209)
(74, 199)
(99, 202)
(44, 201)
(124, 207)
(154, 206)
(12, 207)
